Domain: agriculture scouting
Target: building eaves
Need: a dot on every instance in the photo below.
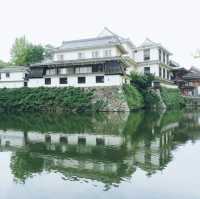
(76, 62)
(13, 69)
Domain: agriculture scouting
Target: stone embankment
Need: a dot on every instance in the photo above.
(112, 98)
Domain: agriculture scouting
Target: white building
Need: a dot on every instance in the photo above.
(105, 60)
(13, 77)
(101, 61)
(153, 58)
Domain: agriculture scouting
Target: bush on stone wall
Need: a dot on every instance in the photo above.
(45, 99)
(172, 98)
(133, 97)
(143, 85)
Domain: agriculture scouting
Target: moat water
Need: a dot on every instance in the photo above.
(109, 155)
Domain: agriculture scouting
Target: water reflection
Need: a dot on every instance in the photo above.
(107, 148)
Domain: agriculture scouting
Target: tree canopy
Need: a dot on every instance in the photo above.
(25, 53)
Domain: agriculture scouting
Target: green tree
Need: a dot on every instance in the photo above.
(141, 82)
(25, 53)
(19, 51)
(34, 53)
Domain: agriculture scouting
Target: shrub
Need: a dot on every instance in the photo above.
(151, 99)
(133, 97)
(172, 98)
(141, 82)
(49, 99)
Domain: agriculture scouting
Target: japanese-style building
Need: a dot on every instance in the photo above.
(153, 58)
(104, 60)
(188, 81)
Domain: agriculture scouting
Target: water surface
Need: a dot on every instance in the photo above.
(109, 155)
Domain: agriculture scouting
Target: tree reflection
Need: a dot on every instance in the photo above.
(114, 146)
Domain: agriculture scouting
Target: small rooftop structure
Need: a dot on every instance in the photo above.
(151, 44)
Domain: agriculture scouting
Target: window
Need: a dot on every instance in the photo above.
(82, 140)
(81, 55)
(95, 54)
(107, 53)
(99, 79)
(147, 54)
(160, 72)
(163, 57)
(51, 71)
(63, 80)
(47, 81)
(7, 144)
(63, 140)
(163, 72)
(62, 71)
(167, 74)
(167, 59)
(100, 141)
(160, 54)
(65, 71)
(97, 68)
(81, 80)
(146, 70)
(7, 75)
(25, 84)
(48, 138)
(80, 70)
(190, 83)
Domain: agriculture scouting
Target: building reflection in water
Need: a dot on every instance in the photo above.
(107, 148)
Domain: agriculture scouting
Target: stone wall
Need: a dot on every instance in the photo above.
(113, 98)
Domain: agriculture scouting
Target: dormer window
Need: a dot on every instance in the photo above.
(147, 54)
(108, 53)
(81, 55)
(95, 54)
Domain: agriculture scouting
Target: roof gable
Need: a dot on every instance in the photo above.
(105, 39)
(147, 42)
(151, 44)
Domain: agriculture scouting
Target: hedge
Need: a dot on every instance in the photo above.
(48, 99)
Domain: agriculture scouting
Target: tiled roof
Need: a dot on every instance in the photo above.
(192, 75)
(90, 43)
(13, 69)
(78, 61)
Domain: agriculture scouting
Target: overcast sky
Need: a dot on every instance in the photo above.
(174, 23)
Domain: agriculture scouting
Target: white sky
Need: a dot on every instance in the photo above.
(174, 23)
